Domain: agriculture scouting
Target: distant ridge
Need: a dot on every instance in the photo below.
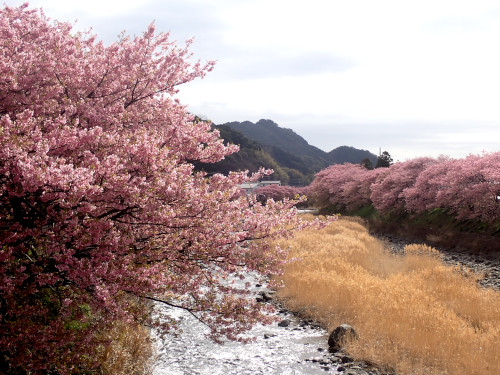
(348, 154)
(269, 133)
(251, 157)
(293, 159)
(289, 149)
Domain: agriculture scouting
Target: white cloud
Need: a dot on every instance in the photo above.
(422, 74)
(92, 8)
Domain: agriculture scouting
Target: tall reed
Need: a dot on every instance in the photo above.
(130, 350)
(412, 313)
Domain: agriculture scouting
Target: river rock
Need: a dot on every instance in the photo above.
(341, 336)
(266, 296)
(284, 323)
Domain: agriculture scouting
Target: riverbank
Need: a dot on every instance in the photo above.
(293, 345)
(435, 228)
(449, 237)
(296, 343)
(485, 264)
(414, 313)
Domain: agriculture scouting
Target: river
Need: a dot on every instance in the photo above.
(296, 349)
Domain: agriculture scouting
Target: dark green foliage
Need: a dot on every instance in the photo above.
(347, 154)
(287, 148)
(367, 163)
(384, 160)
(268, 133)
(299, 159)
(251, 157)
(265, 144)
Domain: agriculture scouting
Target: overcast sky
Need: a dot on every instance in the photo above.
(415, 78)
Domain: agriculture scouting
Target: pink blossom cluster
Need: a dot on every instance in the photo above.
(345, 186)
(467, 188)
(99, 203)
(279, 192)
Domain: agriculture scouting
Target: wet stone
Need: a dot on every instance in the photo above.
(284, 323)
(358, 370)
(347, 359)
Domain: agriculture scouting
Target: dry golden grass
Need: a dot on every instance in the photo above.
(130, 351)
(412, 313)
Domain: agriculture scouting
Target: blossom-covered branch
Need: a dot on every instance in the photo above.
(99, 200)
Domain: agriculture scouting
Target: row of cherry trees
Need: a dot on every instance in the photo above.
(467, 188)
(99, 202)
(281, 192)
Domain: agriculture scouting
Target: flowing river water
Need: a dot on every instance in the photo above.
(296, 348)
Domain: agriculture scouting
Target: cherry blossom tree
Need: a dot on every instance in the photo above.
(421, 195)
(99, 203)
(326, 188)
(357, 193)
(388, 192)
(466, 188)
(346, 186)
(280, 192)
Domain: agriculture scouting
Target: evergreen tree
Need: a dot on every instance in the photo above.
(367, 163)
(384, 160)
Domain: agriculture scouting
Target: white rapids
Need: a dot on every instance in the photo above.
(296, 349)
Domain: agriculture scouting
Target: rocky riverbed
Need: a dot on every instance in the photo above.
(290, 346)
(293, 345)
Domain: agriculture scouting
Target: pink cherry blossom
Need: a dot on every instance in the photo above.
(278, 192)
(466, 189)
(99, 202)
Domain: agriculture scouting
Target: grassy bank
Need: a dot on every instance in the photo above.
(130, 350)
(412, 313)
(434, 227)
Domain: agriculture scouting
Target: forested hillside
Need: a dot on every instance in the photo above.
(294, 161)
(251, 157)
(347, 154)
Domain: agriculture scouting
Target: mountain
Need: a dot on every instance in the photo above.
(268, 133)
(348, 154)
(265, 144)
(251, 156)
(292, 151)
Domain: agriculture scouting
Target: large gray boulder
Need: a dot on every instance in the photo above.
(341, 335)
